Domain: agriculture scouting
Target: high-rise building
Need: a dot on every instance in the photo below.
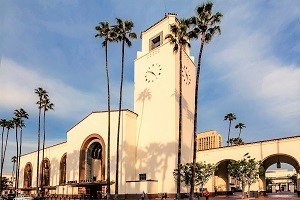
(208, 140)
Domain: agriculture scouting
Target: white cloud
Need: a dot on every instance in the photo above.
(17, 84)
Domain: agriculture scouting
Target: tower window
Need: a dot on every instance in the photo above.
(156, 41)
(142, 177)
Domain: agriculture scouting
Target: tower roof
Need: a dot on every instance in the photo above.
(167, 15)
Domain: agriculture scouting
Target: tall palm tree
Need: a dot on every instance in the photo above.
(204, 26)
(21, 113)
(179, 37)
(13, 160)
(230, 117)
(42, 94)
(18, 123)
(124, 33)
(3, 124)
(105, 31)
(10, 125)
(240, 126)
(46, 105)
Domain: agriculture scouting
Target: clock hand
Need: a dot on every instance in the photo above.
(151, 73)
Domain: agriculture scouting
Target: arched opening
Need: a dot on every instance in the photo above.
(222, 181)
(28, 175)
(92, 159)
(281, 174)
(45, 172)
(92, 166)
(63, 169)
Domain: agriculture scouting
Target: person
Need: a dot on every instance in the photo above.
(206, 194)
(143, 195)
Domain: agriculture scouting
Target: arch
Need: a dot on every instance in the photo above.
(275, 158)
(45, 169)
(221, 179)
(92, 150)
(27, 175)
(63, 169)
(283, 158)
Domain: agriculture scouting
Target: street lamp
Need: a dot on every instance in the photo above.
(278, 164)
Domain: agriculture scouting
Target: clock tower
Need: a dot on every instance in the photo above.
(156, 101)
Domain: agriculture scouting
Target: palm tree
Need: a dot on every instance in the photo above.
(3, 124)
(21, 113)
(204, 26)
(123, 30)
(13, 160)
(230, 117)
(18, 123)
(10, 124)
(106, 32)
(46, 105)
(179, 37)
(240, 126)
(42, 95)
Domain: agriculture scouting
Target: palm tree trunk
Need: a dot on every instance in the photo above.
(19, 158)
(13, 170)
(108, 124)
(17, 162)
(180, 121)
(195, 119)
(4, 152)
(43, 151)
(2, 160)
(119, 123)
(38, 150)
(240, 132)
(228, 132)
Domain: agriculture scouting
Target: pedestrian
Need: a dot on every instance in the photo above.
(206, 194)
(143, 195)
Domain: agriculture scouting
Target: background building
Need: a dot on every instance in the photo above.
(208, 140)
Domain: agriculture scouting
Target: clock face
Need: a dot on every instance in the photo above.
(186, 76)
(152, 72)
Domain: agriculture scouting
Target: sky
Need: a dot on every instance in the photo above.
(252, 69)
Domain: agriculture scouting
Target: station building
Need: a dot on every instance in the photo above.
(148, 134)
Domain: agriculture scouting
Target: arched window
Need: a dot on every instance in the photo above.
(27, 175)
(92, 159)
(45, 172)
(63, 169)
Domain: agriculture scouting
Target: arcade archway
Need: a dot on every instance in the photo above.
(278, 160)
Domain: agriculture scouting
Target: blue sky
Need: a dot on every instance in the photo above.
(251, 69)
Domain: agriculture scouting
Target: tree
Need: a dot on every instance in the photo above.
(205, 25)
(42, 94)
(179, 37)
(3, 124)
(18, 123)
(246, 171)
(9, 125)
(46, 105)
(184, 172)
(105, 31)
(20, 114)
(203, 172)
(5, 183)
(230, 117)
(13, 160)
(236, 141)
(240, 126)
(123, 31)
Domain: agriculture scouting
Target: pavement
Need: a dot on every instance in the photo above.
(270, 196)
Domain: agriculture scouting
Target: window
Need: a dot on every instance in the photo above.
(156, 41)
(142, 177)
